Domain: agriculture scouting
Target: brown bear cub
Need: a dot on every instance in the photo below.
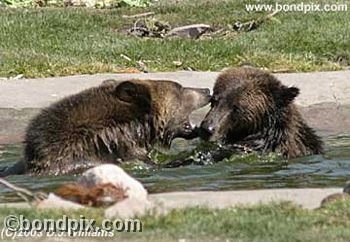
(250, 107)
(113, 122)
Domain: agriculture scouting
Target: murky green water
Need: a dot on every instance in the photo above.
(332, 169)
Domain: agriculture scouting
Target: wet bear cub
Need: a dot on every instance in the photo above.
(250, 107)
(110, 123)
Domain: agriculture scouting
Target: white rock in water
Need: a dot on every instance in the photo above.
(109, 173)
(129, 208)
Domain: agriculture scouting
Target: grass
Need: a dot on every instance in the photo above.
(54, 42)
(271, 222)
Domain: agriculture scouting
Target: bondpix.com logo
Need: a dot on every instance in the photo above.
(303, 7)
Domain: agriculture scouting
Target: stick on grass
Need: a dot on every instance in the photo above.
(25, 194)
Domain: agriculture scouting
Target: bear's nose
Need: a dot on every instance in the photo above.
(210, 129)
(207, 129)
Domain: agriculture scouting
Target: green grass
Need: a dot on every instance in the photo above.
(271, 222)
(53, 42)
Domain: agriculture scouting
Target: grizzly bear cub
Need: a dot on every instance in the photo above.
(113, 122)
(250, 107)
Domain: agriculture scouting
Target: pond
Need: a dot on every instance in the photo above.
(329, 170)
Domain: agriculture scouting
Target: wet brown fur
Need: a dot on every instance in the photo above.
(108, 124)
(251, 107)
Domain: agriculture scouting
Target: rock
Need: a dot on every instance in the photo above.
(190, 31)
(80, 3)
(56, 202)
(335, 197)
(129, 208)
(177, 63)
(109, 173)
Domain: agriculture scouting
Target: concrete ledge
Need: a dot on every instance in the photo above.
(309, 198)
(324, 98)
(316, 87)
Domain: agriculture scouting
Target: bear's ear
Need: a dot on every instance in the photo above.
(131, 92)
(287, 94)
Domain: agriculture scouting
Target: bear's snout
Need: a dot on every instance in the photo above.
(206, 130)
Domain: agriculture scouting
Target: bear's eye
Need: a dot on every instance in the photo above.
(235, 109)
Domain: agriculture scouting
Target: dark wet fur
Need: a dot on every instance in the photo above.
(111, 123)
(252, 108)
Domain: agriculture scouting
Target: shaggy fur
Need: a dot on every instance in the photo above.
(253, 109)
(97, 196)
(113, 122)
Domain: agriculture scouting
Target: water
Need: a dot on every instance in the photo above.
(330, 170)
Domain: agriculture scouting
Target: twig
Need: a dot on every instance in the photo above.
(253, 24)
(125, 57)
(25, 194)
(270, 15)
(141, 15)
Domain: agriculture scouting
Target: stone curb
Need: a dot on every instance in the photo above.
(316, 87)
(324, 98)
(308, 198)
